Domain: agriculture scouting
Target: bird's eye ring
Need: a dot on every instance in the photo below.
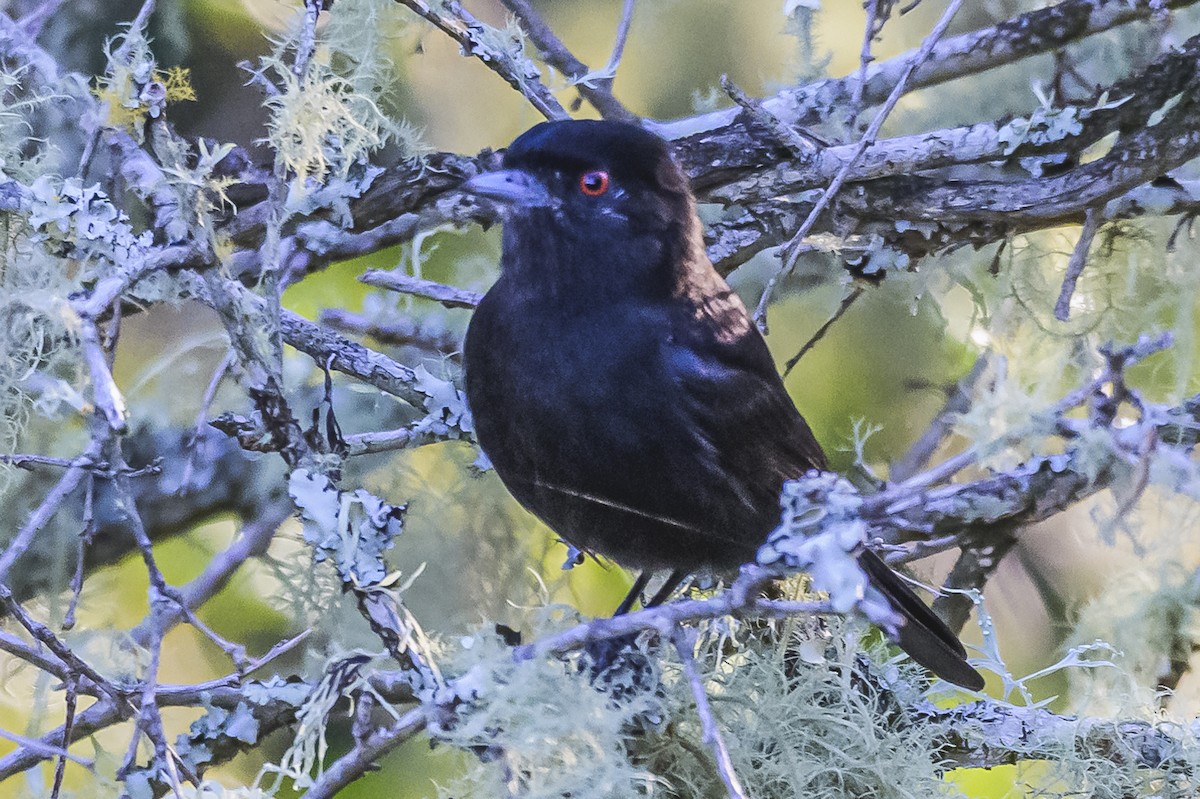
(593, 183)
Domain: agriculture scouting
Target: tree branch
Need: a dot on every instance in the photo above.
(454, 21)
(555, 53)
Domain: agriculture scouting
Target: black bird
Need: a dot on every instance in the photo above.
(619, 386)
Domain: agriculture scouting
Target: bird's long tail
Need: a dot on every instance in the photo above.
(924, 636)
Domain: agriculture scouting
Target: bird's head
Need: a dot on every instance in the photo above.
(593, 195)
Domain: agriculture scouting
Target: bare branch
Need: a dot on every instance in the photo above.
(253, 541)
(366, 753)
(556, 54)
(958, 400)
(45, 510)
(46, 636)
(463, 28)
(1043, 30)
(396, 330)
(448, 296)
(685, 644)
(1091, 224)
(844, 306)
(614, 60)
(793, 247)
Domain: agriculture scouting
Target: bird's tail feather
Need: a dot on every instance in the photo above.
(924, 636)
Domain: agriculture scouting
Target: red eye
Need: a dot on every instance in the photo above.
(593, 183)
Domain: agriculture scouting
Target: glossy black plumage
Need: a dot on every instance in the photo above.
(619, 386)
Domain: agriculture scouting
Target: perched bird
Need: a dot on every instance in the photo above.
(618, 384)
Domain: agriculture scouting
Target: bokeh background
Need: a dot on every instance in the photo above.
(886, 365)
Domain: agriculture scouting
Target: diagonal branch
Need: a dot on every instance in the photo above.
(456, 22)
(1045, 30)
(793, 248)
(556, 54)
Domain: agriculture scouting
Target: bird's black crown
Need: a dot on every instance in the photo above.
(627, 150)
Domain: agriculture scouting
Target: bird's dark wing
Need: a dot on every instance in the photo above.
(739, 406)
(760, 440)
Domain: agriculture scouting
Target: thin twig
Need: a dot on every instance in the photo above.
(104, 713)
(453, 20)
(45, 510)
(179, 695)
(253, 540)
(26, 461)
(1091, 224)
(161, 592)
(847, 301)
(793, 247)
(100, 715)
(149, 718)
(397, 331)
(210, 393)
(685, 644)
(47, 749)
(958, 400)
(449, 296)
(865, 58)
(42, 633)
(34, 656)
(555, 53)
(619, 45)
(86, 535)
(60, 768)
(366, 752)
